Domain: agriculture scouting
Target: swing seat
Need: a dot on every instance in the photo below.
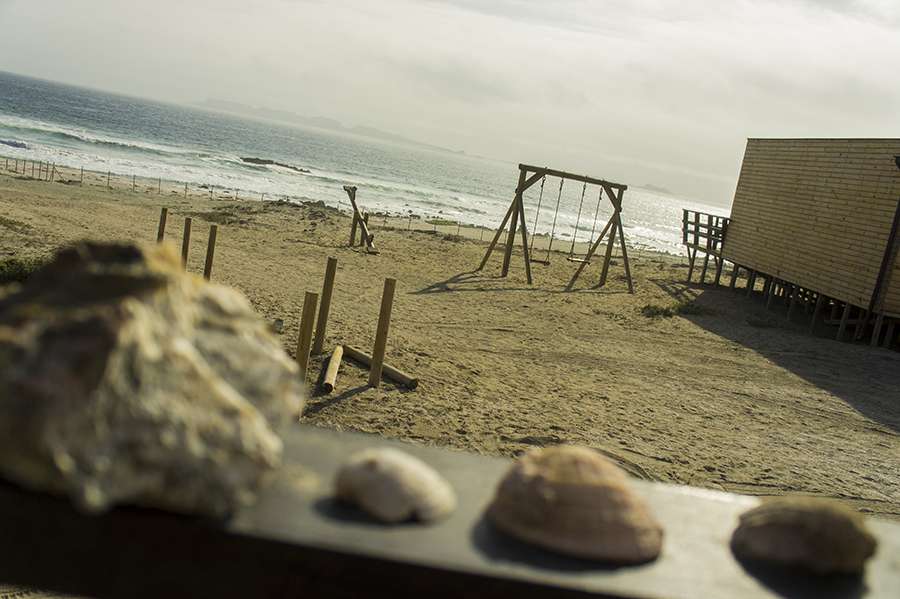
(539, 261)
(579, 260)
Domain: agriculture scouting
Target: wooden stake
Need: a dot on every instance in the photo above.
(158, 185)
(304, 339)
(186, 241)
(389, 372)
(795, 293)
(734, 276)
(133, 184)
(322, 322)
(107, 179)
(384, 323)
(185, 190)
(81, 182)
(334, 364)
(161, 232)
(210, 251)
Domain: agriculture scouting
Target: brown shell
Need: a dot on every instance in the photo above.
(822, 535)
(574, 501)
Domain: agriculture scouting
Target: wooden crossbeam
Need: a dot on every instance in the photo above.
(542, 171)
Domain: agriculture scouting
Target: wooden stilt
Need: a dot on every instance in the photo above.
(889, 334)
(692, 256)
(325, 306)
(751, 282)
(304, 338)
(876, 330)
(703, 270)
(794, 296)
(186, 241)
(381, 333)
(719, 264)
(734, 275)
(844, 318)
(210, 251)
(773, 290)
(817, 313)
(861, 323)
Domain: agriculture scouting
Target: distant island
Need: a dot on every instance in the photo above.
(657, 189)
(318, 122)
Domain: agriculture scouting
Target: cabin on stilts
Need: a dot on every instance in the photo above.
(515, 218)
(814, 226)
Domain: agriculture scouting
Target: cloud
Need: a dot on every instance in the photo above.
(644, 91)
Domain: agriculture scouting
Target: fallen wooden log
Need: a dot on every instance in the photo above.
(334, 364)
(394, 374)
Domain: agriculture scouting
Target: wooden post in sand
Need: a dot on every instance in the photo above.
(158, 185)
(324, 309)
(304, 339)
(384, 323)
(107, 179)
(81, 181)
(210, 251)
(353, 226)
(133, 183)
(334, 364)
(185, 190)
(186, 241)
(161, 232)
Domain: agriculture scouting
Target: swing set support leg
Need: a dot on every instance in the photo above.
(497, 235)
(590, 253)
(608, 257)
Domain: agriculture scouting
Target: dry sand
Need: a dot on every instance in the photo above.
(726, 395)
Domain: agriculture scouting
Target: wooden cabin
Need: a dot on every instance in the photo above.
(817, 219)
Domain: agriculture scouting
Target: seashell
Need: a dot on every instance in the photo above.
(821, 535)
(574, 501)
(393, 486)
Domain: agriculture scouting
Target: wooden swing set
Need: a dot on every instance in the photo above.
(515, 217)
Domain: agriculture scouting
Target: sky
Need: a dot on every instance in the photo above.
(635, 91)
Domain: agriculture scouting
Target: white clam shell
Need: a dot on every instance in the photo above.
(393, 486)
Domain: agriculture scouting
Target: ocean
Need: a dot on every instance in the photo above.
(83, 128)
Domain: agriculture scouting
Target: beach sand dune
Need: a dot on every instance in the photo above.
(677, 383)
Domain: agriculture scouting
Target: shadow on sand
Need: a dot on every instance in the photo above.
(865, 378)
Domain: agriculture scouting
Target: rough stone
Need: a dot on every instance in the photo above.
(126, 380)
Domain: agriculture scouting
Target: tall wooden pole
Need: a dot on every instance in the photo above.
(186, 241)
(161, 232)
(210, 251)
(304, 339)
(384, 323)
(324, 309)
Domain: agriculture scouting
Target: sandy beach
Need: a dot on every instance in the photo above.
(716, 392)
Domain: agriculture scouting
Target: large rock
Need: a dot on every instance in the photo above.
(124, 379)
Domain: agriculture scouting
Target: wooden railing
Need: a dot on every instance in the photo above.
(703, 232)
